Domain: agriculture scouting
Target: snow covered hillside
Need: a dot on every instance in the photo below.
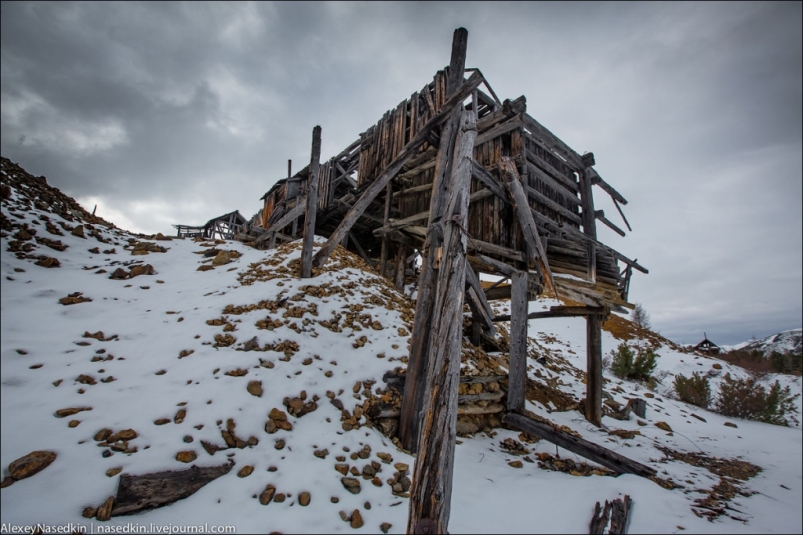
(127, 356)
(784, 342)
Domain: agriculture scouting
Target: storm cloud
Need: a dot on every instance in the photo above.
(166, 113)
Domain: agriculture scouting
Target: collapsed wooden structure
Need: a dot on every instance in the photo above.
(471, 185)
(223, 227)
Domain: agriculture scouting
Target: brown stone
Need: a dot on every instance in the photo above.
(78, 231)
(376, 481)
(356, 519)
(186, 456)
(716, 366)
(7, 481)
(342, 468)
(267, 495)
(136, 271)
(279, 498)
(88, 512)
(351, 484)
(105, 511)
(270, 427)
(73, 423)
(119, 274)
(304, 499)
(222, 258)
(402, 467)
(255, 388)
(162, 421)
(205, 267)
(180, 415)
(321, 454)
(103, 434)
(385, 527)
(228, 438)
(279, 444)
(664, 426)
(61, 413)
(111, 472)
(127, 434)
(730, 424)
(245, 471)
(277, 415)
(31, 464)
(48, 262)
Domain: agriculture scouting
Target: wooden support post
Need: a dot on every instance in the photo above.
(312, 205)
(594, 369)
(431, 490)
(399, 268)
(272, 241)
(383, 255)
(517, 372)
(414, 389)
(410, 150)
(589, 216)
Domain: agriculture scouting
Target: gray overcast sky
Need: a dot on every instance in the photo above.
(168, 113)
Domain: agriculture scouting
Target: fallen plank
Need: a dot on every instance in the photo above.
(138, 493)
(580, 446)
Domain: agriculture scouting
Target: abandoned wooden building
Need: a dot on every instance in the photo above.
(223, 227)
(707, 346)
(526, 215)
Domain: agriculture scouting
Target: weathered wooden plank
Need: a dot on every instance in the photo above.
(535, 247)
(557, 185)
(573, 159)
(380, 182)
(594, 369)
(600, 214)
(580, 446)
(559, 312)
(361, 251)
(535, 159)
(431, 490)
(621, 213)
(607, 188)
(518, 342)
(312, 205)
(149, 491)
(543, 199)
(502, 128)
(487, 180)
(286, 219)
(399, 267)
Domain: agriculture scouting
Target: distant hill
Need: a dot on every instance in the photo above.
(787, 341)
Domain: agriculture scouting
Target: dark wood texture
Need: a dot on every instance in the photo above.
(431, 490)
(518, 342)
(559, 312)
(594, 369)
(392, 170)
(138, 493)
(580, 446)
(312, 205)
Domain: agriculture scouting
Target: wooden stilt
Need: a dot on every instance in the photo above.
(594, 369)
(431, 490)
(312, 205)
(412, 402)
(518, 342)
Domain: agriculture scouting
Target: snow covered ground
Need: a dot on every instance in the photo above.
(342, 327)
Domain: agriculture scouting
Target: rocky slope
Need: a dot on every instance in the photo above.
(124, 356)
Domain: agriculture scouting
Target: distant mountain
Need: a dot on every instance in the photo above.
(787, 341)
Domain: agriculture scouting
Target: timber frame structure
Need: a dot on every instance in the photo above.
(524, 211)
(223, 227)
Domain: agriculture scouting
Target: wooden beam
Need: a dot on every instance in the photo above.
(286, 219)
(431, 490)
(399, 267)
(518, 342)
(480, 308)
(621, 213)
(379, 183)
(600, 214)
(553, 205)
(361, 251)
(594, 369)
(312, 205)
(597, 180)
(535, 247)
(560, 312)
(480, 173)
(580, 446)
(383, 255)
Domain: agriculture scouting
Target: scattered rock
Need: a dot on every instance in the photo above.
(74, 423)
(162, 421)
(88, 512)
(730, 424)
(136, 271)
(385, 526)
(516, 464)
(74, 299)
(104, 512)
(279, 444)
(205, 267)
(102, 435)
(267, 495)
(356, 519)
(304, 499)
(62, 413)
(78, 231)
(351, 484)
(111, 472)
(186, 456)
(7, 481)
(716, 366)
(664, 426)
(698, 417)
(222, 258)
(279, 498)
(119, 274)
(245, 471)
(255, 388)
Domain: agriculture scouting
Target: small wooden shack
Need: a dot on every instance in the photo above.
(224, 227)
(707, 346)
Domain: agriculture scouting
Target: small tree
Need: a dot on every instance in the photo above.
(627, 364)
(640, 317)
(744, 398)
(695, 390)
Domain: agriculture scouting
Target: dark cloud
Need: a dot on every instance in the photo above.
(176, 112)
